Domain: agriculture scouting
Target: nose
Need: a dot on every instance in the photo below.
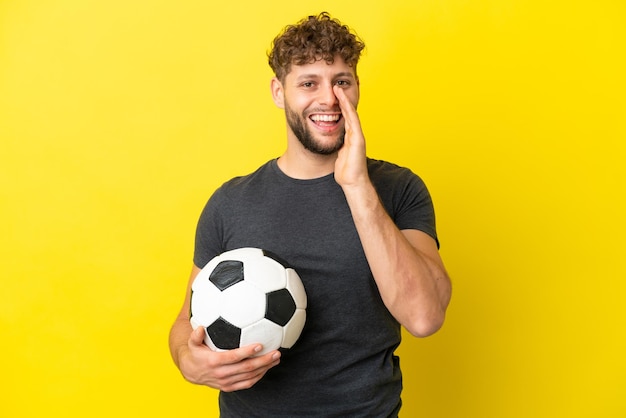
(327, 96)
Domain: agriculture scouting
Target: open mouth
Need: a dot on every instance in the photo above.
(325, 119)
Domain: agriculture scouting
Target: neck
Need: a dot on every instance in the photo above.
(305, 165)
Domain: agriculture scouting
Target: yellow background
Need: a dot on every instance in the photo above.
(119, 118)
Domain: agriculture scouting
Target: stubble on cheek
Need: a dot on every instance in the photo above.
(298, 126)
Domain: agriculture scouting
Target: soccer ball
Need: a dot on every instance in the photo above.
(247, 296)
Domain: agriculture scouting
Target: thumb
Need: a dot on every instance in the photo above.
(197, 336)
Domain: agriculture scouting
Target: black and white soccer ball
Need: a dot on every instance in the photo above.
(247, 296)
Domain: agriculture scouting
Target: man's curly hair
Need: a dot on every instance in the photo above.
(314, 38)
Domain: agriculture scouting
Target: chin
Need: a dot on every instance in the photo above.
(324, 147)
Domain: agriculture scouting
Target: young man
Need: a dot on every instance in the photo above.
(360, 233)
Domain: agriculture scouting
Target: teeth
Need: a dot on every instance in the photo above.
(325, 118)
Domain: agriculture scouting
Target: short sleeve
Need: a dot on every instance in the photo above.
(209, 230)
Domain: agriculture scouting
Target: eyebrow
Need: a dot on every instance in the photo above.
(312, 75)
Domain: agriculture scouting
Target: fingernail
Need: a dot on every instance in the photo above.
(276, 356)
(258, 348)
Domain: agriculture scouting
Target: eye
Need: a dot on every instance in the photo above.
(307, 84)
(343, 83)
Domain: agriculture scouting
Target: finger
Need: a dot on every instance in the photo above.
(346, 106)
(348, 111)
(240, 382)
(254, 365)
(245, 383)
(242, 353)
(197, 336)
(251, 371)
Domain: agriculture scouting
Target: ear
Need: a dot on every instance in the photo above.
(278, 93)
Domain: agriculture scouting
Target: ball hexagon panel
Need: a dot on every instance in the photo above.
(265, 273)
(296, 288)
(243, 304)
(209, 312)
(291, 332)
(264, 330)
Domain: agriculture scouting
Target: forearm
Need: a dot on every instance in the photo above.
(178, 338)
(410, 275)
(181, 329)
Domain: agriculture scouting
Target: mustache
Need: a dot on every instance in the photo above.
(308, 112)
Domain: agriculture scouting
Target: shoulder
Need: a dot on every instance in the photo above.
(259, 174)
(232, 191)
(248, 182)
(387, 175)
(398, 187)
(404, 195)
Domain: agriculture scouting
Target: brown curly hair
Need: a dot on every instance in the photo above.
(314, 38)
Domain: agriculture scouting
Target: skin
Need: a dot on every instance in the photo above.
(406, 265)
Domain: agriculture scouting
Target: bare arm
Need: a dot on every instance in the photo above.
(229, 370)
(406, 264)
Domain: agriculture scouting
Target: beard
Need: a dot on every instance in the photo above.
(298, 126)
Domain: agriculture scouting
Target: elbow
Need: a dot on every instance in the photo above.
(427, 319)
(426, 325)
(426, 322)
